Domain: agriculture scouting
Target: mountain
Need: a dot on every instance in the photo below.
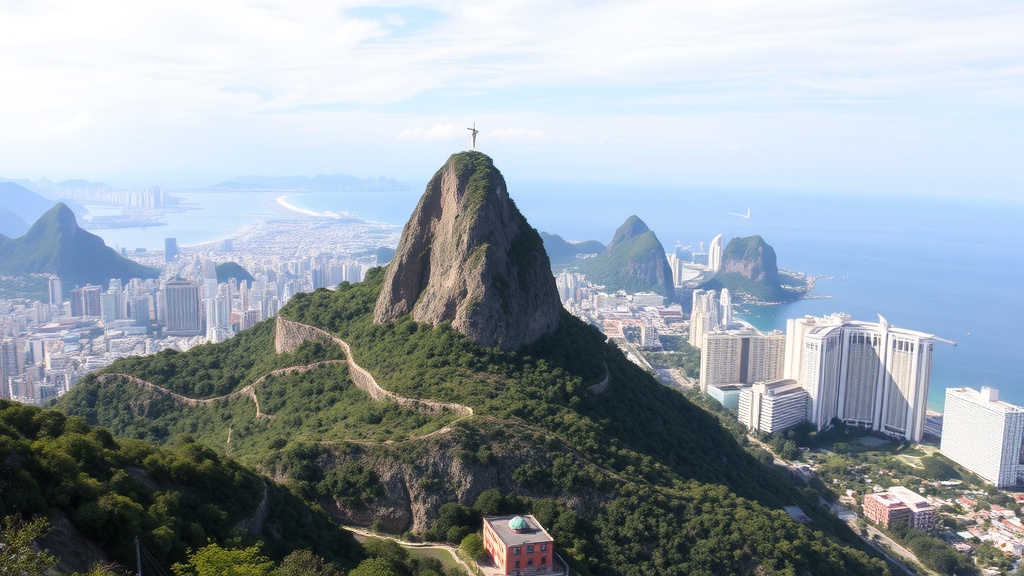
(56, 245)
(749, 270)
(26, 204)
(302, 183)
(566, 254)
(228, 270)
(634, 261)
(11, 224)
(416, 429)
(468, 256)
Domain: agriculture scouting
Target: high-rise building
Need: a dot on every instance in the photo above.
(773, 406)
(725, 308)
(10, 367)
(715, 254)
(183, 314)
(85, 302)
(983, 434)
(867, 374)
(170, 249)
(703, 316)
(741, 357)
(56, 295)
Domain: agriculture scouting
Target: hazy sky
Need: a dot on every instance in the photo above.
(915, 96)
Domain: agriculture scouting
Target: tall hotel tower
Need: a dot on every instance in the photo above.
(983, 434)
(703, 316)
(183, 315)
(715, 254)
(866, 374)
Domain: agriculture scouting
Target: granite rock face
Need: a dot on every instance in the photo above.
(468, 256)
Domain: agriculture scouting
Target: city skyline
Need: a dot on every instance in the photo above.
(857, 96)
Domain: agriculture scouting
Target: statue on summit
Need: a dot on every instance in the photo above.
(474, 131)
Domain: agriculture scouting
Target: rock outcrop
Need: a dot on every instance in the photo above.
(468, 256)
(634, 261)
(749, 269)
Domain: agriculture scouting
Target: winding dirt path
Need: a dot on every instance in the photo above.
(288, 336)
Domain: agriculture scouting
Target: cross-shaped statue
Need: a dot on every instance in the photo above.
(474, 131)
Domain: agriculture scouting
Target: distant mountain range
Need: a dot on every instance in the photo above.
(56, 245)
(318, 183)
(566, 254)
(18, 207)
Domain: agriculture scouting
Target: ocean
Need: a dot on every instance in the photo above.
(953, 267)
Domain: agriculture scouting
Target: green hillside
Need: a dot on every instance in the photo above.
(103, 492)
(634, 261)
(56, 245)
(628, 476)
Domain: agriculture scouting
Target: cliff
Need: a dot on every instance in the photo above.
(634, 261)
(468, 256)
(749, 269)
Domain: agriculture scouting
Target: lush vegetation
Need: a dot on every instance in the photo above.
(172, 498)
(634, 261)
(636, 480)
(658, 460)
(686, 358)
(228, 270)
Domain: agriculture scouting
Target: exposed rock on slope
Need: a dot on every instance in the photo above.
(634, 261)
(468, 256)
(749, 268)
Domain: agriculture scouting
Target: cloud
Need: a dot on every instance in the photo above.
(435, 132)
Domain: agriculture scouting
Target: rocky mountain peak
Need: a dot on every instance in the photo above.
(468, 256)
(631, 228)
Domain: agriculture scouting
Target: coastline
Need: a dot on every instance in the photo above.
(282, 201)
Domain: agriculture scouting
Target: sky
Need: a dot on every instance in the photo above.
(917, 97)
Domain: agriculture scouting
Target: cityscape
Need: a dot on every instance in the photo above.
(511, 289)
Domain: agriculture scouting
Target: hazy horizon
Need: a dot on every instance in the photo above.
(920, 98)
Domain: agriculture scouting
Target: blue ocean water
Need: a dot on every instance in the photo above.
(952, 267)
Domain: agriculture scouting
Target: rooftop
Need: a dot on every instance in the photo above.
(534, 533)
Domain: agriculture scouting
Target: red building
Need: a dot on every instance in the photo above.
(518, 545)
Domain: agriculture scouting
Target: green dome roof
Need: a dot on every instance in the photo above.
(518, 523)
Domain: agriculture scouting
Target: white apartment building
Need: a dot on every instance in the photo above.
(703, 316)
(867, 374)
(741, 357)
(773, 406)
(983, 434)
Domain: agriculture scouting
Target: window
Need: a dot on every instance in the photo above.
(517, 564)
(543, 547)
(518, 550)
(529, 562)
(543, 560)
(529, 548)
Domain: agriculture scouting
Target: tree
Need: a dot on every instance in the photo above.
(17, 558)
(303, 563)
(212, 560)
(374, 567)
(473, 546)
